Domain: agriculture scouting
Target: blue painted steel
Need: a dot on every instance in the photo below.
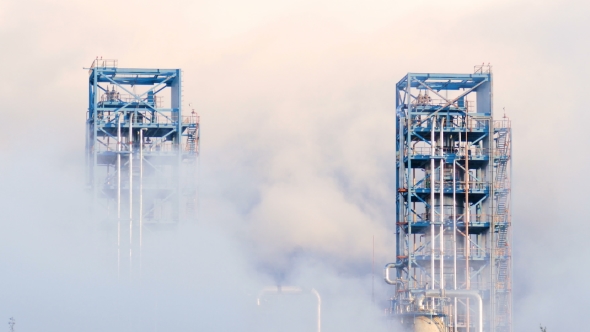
(150, 101)
(453, 165)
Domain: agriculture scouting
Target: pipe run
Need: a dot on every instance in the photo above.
(387, 268)
(454, 293)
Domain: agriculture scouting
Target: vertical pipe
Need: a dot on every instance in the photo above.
(119, 194)
(441, 204)
(399, 183)
(455, 241)
(432, 213)
(467, 220)
(509, 216)
(94, 170)
(130, 143)
(140, 195)
(410, 184)
(462, 293)
(407, 125)
(315, 292)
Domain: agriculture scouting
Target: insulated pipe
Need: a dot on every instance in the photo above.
(315, 292)
(119, 167)
(454, 244)
(386, 271)
(119, 195)
(130, 143)
(419, 300)
(441, 232)
(293, 290)
(140, 193)
(432, 212)
(455, 293)
(467, 219)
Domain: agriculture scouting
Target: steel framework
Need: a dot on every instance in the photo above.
(453, 240)
(141, 150)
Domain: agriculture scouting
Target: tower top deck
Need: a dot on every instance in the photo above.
(439, 82)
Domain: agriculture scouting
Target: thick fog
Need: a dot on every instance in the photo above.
(297, 167)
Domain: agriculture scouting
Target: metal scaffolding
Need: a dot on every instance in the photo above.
(141, 150)
(453, 240)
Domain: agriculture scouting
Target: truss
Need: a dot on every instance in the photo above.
(141, 150)
(453, 183)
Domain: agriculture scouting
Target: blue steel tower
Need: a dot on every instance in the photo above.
(453, 243)
(141, 150)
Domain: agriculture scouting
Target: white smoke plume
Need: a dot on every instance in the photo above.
(297, 171)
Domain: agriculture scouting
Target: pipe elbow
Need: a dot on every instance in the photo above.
(388, 267)
(419, 301)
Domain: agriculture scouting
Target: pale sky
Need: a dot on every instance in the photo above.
(297, 106)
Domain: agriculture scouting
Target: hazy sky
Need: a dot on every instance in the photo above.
(296, 100)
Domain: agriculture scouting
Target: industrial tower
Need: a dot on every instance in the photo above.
(453, 241)
(141, 150)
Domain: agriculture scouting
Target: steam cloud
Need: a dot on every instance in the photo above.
(297, 170)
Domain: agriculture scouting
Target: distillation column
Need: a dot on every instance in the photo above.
(452, 270)
(141, 153)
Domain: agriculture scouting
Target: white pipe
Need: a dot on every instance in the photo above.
(467, 220)
(293, 290)
(315, 292)
(455, 293)
(419, 300)
(432, 214)
(454, 244)
(130, 143)
(386, 271)
(441, 232)
(140, 194)
(119, 194)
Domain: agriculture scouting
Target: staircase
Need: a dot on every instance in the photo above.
(501, 227)
(192, 138)
(192, 147)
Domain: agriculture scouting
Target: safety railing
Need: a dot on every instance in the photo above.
(110, 145)
(458, 151)
(191, 119)
(424, 100)
(140, 116)
(474, 252)
(503, 251)
(103, 63)
(504, 123)
(482, 69)
(459, 185)
(116, 97)
(461, 218)
(502, 285)
(468, 124)
(165, 147)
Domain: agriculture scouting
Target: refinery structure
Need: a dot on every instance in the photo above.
(453, 242)
(452, 271)
(141, 151)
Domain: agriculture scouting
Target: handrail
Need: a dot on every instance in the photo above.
(474, 218)
(472, 151)
(115, 96)
(103, 63)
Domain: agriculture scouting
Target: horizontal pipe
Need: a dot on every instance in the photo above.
(458, 293)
